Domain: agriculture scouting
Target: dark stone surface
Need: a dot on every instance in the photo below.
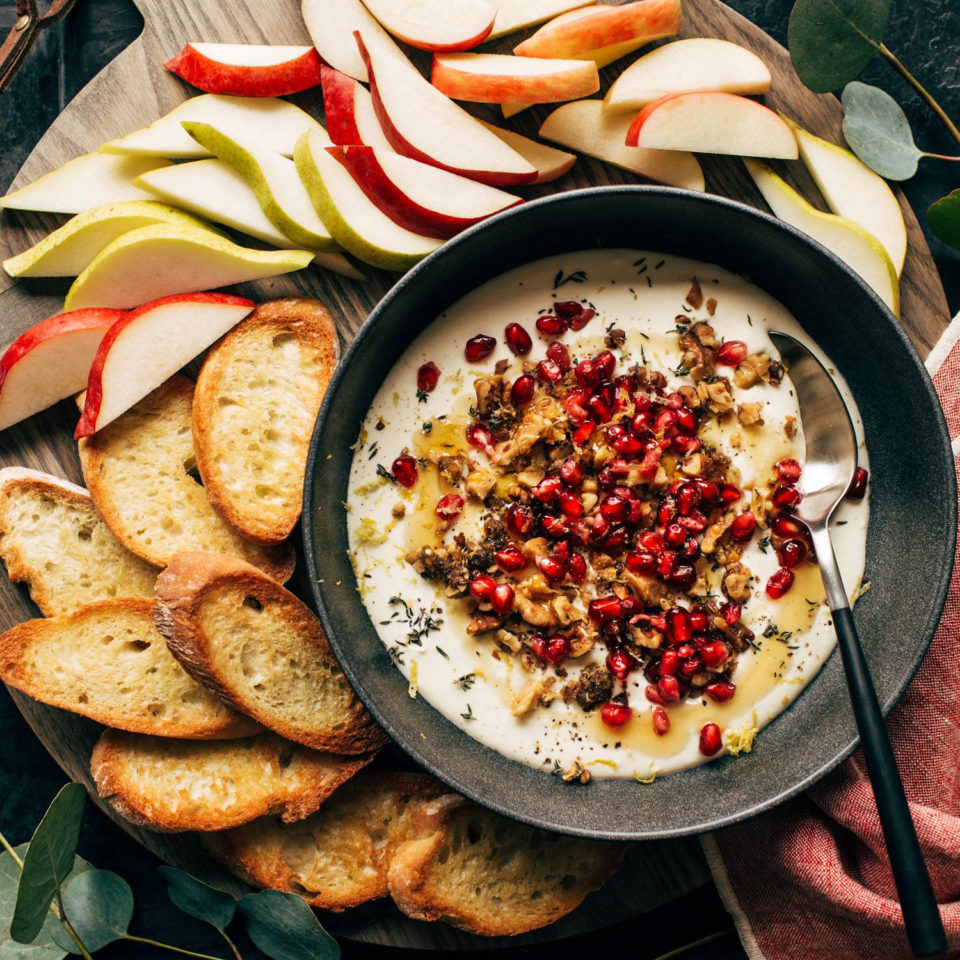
(925, 36)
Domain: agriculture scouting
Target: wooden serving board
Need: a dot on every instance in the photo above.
(134, 90)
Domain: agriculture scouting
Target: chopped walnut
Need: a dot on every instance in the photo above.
(716, 395)
(649, 589)
(576, 773)
(714, 532)
(399, 511)
(483, 623)
(564, 610)
(532, 602)
(452, 468)
(694, 465)
(704, 334)
(648, 639)
(736, 582)
(530, 477)
(536, 424)
(749, 414)
(593, 687)
(615, 338)
(695, 296)
(579, 645)
(535, 548)
(509, 640)
(755, 368)
(480, 482)
(711, 306)
(790, 427)
(538, 690)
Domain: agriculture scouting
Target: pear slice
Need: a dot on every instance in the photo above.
(87, 181)
(274, 181)
(68, 250)
(854, 191)
(213, 190)
(355, 222)
(166, 258)
(857, 247)
(266, 119)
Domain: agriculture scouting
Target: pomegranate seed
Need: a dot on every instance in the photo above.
(570, 505)
(479, 347)
(404, 470)
(652, 541)
(615, 714)
(510, 559)
(517, 339)
(729, 494)
(561, 551)
(743, 526)
(614, 432)
(716, 653)
(720, 691)
(690, 549)
(788, 528)
(730, 612)
(605, 608)
(641, 562)
(667, 511)
(731, 352)
(661, 722)
(548, 489)
(613, 628)
(502, 599)
(583, 433)
(621, 662)
(779, 583)
(709, 491)
(667, 562)
(685, 651)
(449, 507)
(785, 496)
(479, 435)
(554, 526)
(665, 421)
(571, 473)
(674, 534)
(577, 568)
(601, 527)
(696, 522)
(605, 363)
(552, 569)
(653, 694)
(582, 319)
(669, 663)
(521, 392)
(538, 644)
(688, 499)
(586, 373)
(428, 375)
(614, 508)
(683, 574)
(679, 626)
(792, 553)
(557, 648)
(519, 519)
(788, 471)
(858, 486)
(710, 739)
(567, 309)
(686, 420)
(548, 371)
(669, 688)
(551, 326)
(559, 354)
(481, 588)
(641, 423)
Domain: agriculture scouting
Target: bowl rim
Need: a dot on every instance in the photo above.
(434, 261)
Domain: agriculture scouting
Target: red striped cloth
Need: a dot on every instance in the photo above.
(810, 880)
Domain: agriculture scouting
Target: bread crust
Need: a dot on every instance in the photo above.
(183, 589)
(14, 670)
(119, 758)
(113, 505)
(310, 323)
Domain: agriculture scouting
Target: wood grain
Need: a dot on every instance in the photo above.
(134, 90)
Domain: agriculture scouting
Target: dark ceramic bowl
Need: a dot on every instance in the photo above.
(912, 517)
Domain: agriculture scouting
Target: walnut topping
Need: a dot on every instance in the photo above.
(752, 370)
(480, 482)
(695, 296)
(576, 773)
(594, 686)
(749, 414)
(790, 427)
(711, 306)
(736, 582)
(537, 690)
(716, 395)
(399, 511)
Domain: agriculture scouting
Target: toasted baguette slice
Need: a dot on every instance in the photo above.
(138, 472)
(243, 635)
(52, 538)
(258, 394)
(336, 858)
(171, 785)
(492, 876)
(106, 661)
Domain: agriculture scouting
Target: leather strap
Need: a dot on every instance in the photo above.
(25, 30)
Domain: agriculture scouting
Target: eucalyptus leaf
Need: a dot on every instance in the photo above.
(878, 131)
(198, 899)
(99, 906)
(48, 862)
(944, 219)
(831, 41)
(285, 928)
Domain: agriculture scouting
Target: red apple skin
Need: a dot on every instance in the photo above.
(604, 26)
(338, 98)
(501, 88)
(235, 80)
(450, 47)
(633, 133)
(91, 407)
(401, 145)
(363, 166)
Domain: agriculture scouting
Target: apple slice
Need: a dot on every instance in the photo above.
(857, 247)
(349, 112)
(582, 125)
(550, 162)
(88, 181)
(442, 25)
(424, 199)
(331, 25)
(513, 15)
(147, 346)
(217, 192)
(684, 66)
(710, 122)
(595, 28)
(50, 362)
(354, 220)
(247, 69)
(498, 78)
(264, 119)
(420, 122)
(68, 250)
(166, 258)
(275, 183)
(853, 190)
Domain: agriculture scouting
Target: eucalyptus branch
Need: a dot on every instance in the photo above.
(231, 945)
(169, 946)
(709, 938)
(927, 98)
(13, 853)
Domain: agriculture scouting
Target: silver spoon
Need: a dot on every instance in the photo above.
(830, 463)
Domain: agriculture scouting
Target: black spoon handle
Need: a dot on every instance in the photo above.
(920, 912)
